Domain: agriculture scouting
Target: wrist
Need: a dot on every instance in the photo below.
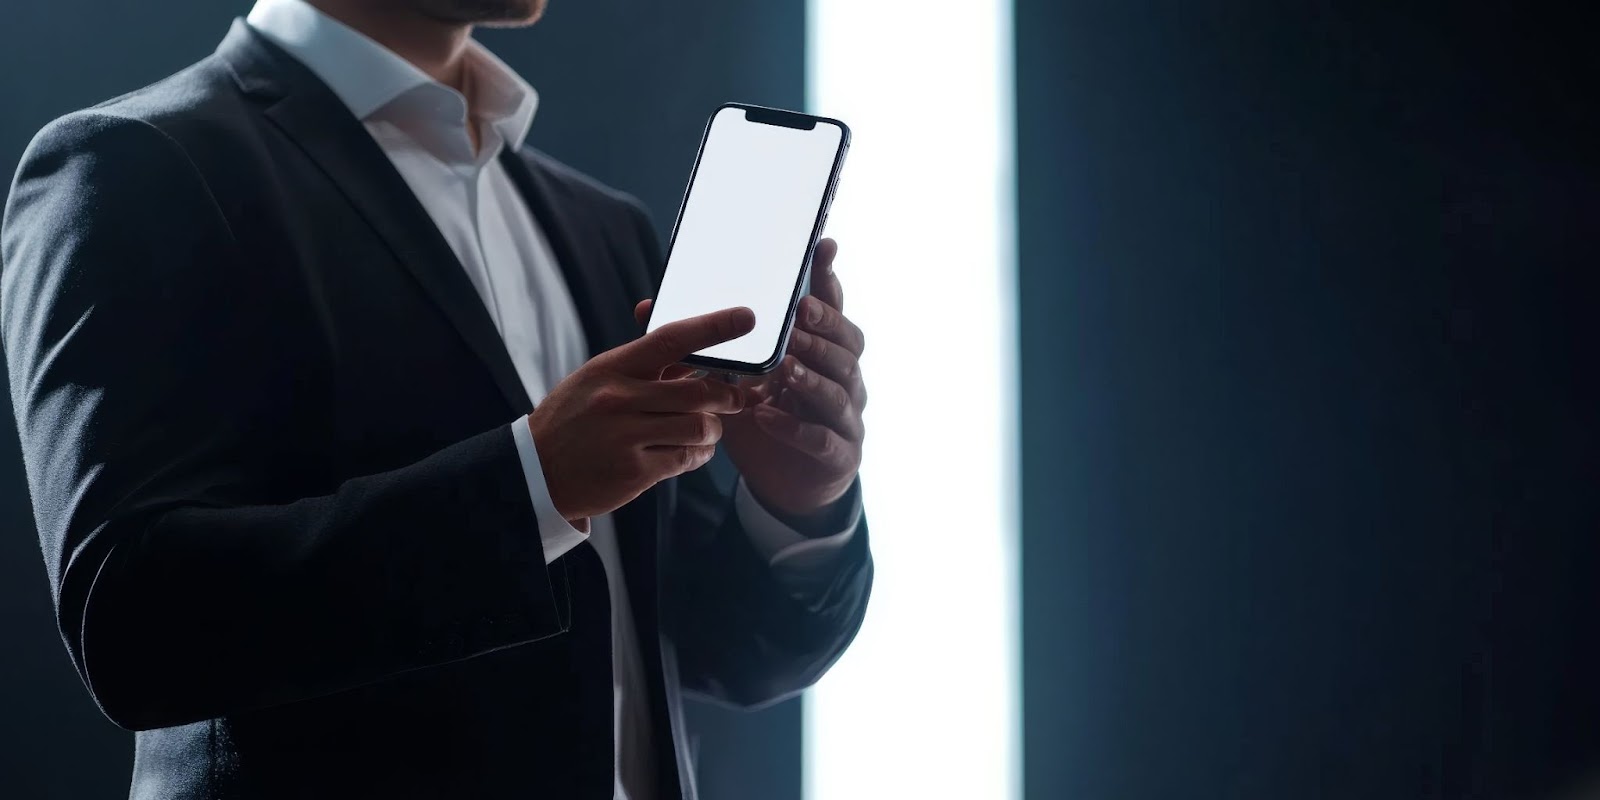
(552, 485)
(817, 519)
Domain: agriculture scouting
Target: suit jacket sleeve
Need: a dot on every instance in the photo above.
(743, 637)
(163, 389)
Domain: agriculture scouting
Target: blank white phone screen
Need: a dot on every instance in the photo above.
(745, 227)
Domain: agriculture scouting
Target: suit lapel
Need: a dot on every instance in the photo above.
(311, 115)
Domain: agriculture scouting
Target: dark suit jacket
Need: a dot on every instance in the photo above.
(264, 416)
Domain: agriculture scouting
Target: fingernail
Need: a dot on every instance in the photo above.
(813, 310)
(797, 372)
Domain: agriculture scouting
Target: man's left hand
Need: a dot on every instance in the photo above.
(798, 440)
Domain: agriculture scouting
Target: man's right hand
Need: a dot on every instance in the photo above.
(614, 428)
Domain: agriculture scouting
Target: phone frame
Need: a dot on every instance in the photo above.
(787, 119)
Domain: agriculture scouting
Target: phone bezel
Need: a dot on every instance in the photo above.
(788, 119)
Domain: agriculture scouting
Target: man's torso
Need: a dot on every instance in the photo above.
(388, 367)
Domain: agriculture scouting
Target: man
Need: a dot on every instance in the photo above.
(351, 477)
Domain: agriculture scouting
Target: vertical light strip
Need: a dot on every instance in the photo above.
(926, 702)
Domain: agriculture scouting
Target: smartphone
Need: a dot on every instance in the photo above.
(755, 206)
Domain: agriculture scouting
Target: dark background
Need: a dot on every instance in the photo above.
(1309, 402)
(1307, 307)
(625, 89)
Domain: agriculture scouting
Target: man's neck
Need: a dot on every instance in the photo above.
(437, 48)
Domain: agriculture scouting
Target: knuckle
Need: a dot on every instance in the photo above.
(607, 398)
(826, 321)
(857, 430)
(841, 402)
(701, 429)
(826, 445)
(667, 335)
(666, 346)
(823, 349)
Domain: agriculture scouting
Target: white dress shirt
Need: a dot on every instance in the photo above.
(421, 125)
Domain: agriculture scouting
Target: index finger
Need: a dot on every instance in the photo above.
(648, 355)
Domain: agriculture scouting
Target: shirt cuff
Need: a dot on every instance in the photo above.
(555, 533)
(787, 549)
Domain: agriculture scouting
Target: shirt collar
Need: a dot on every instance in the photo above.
(368, 77)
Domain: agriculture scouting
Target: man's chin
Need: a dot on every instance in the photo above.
(485, 13)
(519, 22)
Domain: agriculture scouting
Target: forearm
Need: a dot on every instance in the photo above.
(751, 629)
(196, 612)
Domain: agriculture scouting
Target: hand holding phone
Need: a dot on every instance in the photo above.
(755, 206)
(613, 428)
(797, 442)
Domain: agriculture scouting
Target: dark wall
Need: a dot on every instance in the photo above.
(1307, 308)
(55, 58)
(625, 86)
